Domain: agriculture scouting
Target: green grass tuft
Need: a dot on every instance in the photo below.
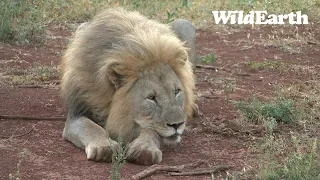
(208, 58)
(268, 113)
(119, 157)
(282, 110)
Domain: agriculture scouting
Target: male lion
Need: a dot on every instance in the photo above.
(126, 76)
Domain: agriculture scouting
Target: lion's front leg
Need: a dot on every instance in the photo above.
(145, 149)
(91, 137)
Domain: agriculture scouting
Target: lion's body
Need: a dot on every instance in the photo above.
(104, 67)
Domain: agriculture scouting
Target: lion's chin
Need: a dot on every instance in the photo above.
(172, 140)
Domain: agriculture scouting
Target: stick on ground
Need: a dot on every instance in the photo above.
(158, 168)
(32, 118)
(16, 136)
(212, 67)
(35, 86)
(200, 171)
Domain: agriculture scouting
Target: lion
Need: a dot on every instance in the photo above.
(125, 76)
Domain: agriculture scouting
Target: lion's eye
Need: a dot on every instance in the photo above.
(152, 97)
(177, 91)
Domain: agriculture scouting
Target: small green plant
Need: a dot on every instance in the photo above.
(185, 3)
(208, 58)
(172, 15)
(270, 125)
(118, 159)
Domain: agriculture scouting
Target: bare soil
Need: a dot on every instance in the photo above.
(216, 136)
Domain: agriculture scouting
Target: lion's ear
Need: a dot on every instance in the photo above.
(115, 77)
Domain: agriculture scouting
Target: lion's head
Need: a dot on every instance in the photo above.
(157, 101)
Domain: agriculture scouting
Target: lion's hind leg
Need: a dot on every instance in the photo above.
(87, 135)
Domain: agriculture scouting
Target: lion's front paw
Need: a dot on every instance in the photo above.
(101, 151)
(143, 154)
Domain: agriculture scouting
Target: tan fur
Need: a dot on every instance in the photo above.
(143, 45)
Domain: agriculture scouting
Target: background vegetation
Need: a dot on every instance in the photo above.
(23, 21)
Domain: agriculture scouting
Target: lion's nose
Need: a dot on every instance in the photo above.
(175, 126)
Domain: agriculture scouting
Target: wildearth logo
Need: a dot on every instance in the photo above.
(258, 17)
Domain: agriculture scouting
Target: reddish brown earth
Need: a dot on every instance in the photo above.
(214, 136)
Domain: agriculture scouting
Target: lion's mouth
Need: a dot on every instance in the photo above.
(173, 137)
(171, 140)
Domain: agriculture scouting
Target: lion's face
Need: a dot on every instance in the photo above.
(158, 100)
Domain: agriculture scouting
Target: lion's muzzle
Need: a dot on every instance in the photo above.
(175, 126)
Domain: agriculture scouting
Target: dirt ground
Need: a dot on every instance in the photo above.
(36, 149)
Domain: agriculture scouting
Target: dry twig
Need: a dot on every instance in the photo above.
(157, 168)
(207, 67)
(16, 136)
(212, 67)
(313, 42)
(244, 74)
(37, 86)
(200, 171)
(210, 97)
(32, 118)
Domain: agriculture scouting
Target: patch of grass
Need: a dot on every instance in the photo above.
(268, 113)
(268, 64)
(37, 74)
(294, 156)
(289, 39)
(43, 72)
(20, 21)
(286, 44)
(293, 159)
(22, 80)
(307, 98)
(25, 21)
(305, 70)
(282, 110)
(295, 165)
